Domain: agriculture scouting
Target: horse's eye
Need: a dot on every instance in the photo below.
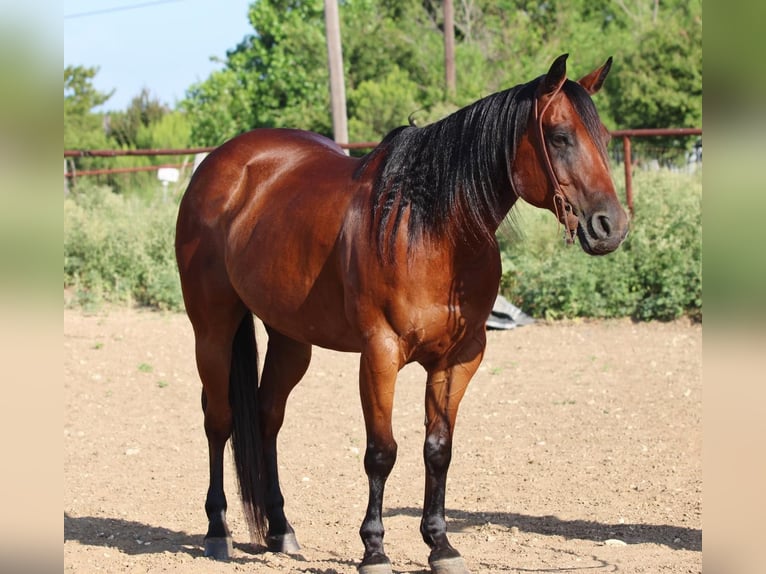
(560, 139)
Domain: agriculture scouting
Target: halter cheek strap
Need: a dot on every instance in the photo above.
(560, 202)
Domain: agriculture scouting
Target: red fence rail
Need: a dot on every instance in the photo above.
(626, 149)
(138, 152)
(184, 151)
(626, 136)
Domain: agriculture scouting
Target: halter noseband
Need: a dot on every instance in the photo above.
(560, 200)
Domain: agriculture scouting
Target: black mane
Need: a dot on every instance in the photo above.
(451, 174)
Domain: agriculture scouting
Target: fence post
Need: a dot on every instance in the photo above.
(628, 173)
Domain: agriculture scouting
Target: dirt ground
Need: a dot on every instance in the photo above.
(578, 448)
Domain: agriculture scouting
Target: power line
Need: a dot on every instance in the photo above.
(117, 9)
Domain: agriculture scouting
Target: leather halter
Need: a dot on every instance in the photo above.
(560, 200)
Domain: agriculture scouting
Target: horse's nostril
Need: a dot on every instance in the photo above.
(601, 227)
(605, 225)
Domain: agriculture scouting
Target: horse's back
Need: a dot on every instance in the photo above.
(247, 163)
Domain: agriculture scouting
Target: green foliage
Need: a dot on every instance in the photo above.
(657, 79)
(83, 128)
(657, 86)
(655, 274)
(80, 97)
(146, 123)
(380, 106)
(120, 249)
(278, 75)
(170, 131)
(220, 107)
(144, 110)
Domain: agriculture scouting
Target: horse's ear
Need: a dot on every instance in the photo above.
(555, 77)
(593, 81)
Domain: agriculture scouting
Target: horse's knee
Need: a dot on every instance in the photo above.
(379, 459)
(437, 452)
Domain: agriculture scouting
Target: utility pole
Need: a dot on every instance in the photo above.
(335, 63)
(449, 47)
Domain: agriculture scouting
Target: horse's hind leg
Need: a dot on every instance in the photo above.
(216, 314)
(285, 364)
(213, 352)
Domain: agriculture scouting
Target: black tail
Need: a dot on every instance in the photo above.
(246, 430)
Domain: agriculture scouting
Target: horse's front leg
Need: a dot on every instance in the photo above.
(445, 389)
(378, 368)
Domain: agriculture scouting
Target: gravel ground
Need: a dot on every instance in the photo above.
(578, 447)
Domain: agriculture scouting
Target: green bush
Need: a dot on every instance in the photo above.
(655, 274)
(120, 249)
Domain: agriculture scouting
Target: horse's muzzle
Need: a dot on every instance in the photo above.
(602, 232)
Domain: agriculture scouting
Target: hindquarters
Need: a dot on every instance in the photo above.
(227, 364)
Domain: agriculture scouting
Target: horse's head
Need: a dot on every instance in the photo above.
(561, 162)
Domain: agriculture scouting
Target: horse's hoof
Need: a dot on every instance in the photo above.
(454, 565)
(219, 548)
(285, 543)
(380, 568)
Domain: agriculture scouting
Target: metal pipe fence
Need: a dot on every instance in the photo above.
(625, 155)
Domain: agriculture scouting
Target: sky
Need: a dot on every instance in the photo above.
(162, 45)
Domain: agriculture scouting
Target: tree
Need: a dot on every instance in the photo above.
(657, 80)
(380, 106)
(147, 123)
(658, 83)
(83, 127)
(278, 75)
(143, 111)
(171, 131)
(221, 107)
(274, 77)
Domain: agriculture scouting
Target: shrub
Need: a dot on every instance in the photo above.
(120, 249)
(655, 274)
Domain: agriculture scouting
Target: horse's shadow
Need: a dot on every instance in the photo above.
(135, 538)
(676, 537)
(129, 536)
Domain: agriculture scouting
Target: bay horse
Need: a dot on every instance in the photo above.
(391, 255)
